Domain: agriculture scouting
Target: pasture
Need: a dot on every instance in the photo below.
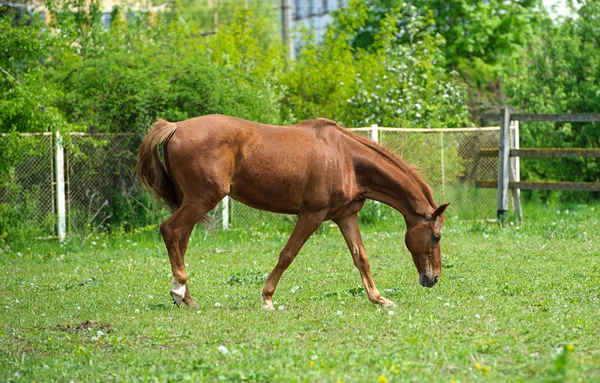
(513, 304)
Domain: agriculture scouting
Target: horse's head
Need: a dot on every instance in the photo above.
(423, 241)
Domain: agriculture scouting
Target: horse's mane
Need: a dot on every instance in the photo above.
(385, 153)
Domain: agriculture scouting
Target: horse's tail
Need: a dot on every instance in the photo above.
(152, 173)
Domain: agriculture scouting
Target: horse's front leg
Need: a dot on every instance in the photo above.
(305, 227)
(351, 232)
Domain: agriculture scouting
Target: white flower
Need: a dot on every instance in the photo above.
(480, 297)
(199, 311)
(391, 313)
(314, 357)
(477, 316)
(418, 106)
(339, 312)
(217, 304)
(294, 289)
(151, 296)
(418, 115)
(94, 338)
(137, 311)
(223, 350)
(447, 304)
(17, 301)
(100, 333)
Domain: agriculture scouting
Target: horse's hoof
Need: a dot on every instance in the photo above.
(268, 307)
(176, 299)
(190, 303)
(387, 303)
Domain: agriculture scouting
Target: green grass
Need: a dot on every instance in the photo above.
(508, 300)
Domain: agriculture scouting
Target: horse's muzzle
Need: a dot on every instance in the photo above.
(427, 281)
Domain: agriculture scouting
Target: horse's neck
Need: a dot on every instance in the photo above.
(385, 182)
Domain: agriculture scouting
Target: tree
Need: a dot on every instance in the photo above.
(560, 73)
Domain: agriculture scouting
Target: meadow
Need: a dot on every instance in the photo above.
(515, 303)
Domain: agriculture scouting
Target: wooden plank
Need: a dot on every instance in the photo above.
(539, 185)
(545, 152)
(515, 171)
(503, 164)
(571, 117)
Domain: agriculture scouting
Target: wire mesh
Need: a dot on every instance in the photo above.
(448, 159)
(450, 162)
(30, 189)
(98, 167)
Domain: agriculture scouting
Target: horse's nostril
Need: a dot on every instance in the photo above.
(435, 279)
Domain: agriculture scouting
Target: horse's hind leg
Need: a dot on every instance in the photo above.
(183, 245)
(176, 232)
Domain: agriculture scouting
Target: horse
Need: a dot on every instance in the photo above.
(315, 169)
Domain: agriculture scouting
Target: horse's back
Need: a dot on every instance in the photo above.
(278, 168)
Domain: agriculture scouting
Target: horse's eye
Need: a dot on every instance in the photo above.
(436, 238)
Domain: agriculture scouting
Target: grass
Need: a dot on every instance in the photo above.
(514, 304)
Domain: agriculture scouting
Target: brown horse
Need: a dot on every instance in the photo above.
(315, 169)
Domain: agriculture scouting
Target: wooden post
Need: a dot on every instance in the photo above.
(515, 173)
(214, 4)
(286, 27)
(503, 164)
(59, 170)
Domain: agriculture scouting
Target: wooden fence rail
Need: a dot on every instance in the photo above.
(508, 170)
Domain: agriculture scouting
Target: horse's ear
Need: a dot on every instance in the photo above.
(440, 210)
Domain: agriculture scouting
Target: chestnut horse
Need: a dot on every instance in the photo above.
(315, 169)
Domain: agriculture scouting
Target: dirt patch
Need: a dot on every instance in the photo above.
(87, 325)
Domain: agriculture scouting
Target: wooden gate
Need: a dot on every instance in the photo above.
(508, 171)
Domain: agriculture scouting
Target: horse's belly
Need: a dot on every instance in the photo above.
(273, 198)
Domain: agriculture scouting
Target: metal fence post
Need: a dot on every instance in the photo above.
(503, 164)
(443, 165)
(59, 170)
(375, 132)
(225, 212)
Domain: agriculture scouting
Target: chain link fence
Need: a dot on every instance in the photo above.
(99, 169)
(448, 159)
(99, 174)
(28, 196)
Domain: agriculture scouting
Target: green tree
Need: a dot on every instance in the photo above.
(561, 74)
(484, 39)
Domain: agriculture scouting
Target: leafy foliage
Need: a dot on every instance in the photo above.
(561, 75)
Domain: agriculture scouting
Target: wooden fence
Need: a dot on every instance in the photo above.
(508, 170)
